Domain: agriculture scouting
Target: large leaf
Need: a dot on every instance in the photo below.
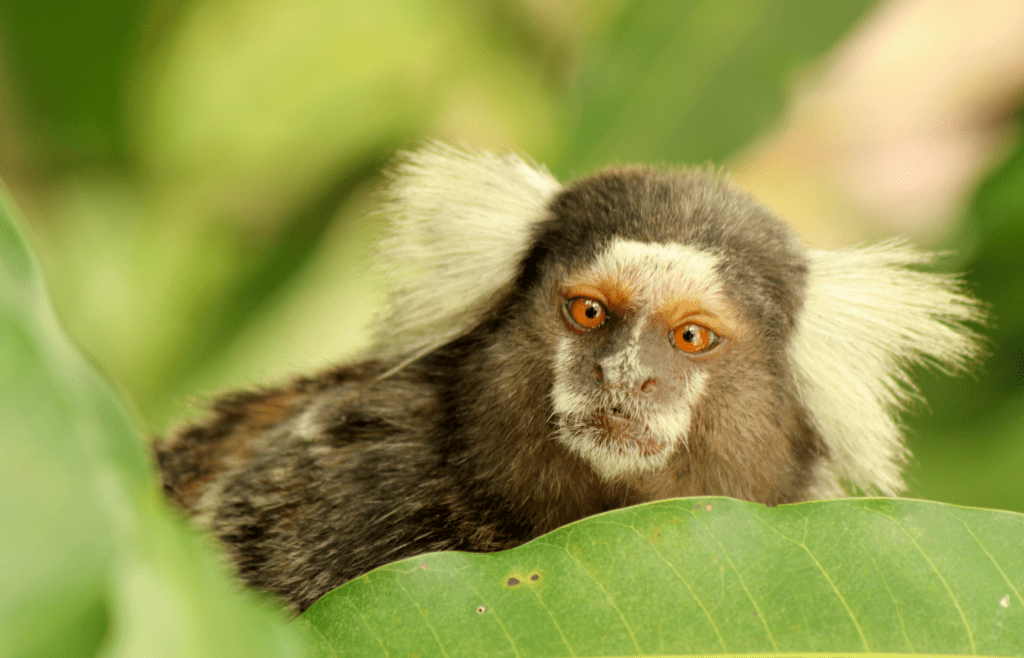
(91, 560)
(711, 575)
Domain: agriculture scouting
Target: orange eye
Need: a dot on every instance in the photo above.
(694, 338)
(587, 313)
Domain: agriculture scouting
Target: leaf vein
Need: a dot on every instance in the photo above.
(963, 617)
(326, 641)
(842, 599)
(368, 627)
(743, 584)
(625, 623)
(424, 616)
(899, 615)
(994, 563)
(690, 589)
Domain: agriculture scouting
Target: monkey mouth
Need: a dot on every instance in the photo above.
(615, 420)
(617, 428)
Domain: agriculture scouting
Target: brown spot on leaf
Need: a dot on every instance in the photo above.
(512, 581)
(481, 610)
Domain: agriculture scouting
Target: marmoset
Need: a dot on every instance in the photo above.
(549, 352)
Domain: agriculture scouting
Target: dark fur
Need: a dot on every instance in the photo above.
(311, 485)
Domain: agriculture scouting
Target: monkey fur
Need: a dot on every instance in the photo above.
(553, 352)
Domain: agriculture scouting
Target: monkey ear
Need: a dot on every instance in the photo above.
(458, 225)
(867, 319)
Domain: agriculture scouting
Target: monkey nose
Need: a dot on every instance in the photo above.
(648, 386)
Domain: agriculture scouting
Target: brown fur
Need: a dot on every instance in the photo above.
(313, 484)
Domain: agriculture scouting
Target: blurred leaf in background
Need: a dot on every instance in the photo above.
(68, 66)
(692, 82)
(244, 138)
(251, 131)
(93, 561)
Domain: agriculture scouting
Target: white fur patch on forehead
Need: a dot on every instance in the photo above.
(653, 274)
(458, 225)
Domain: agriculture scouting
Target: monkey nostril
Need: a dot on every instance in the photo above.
(598, 375)
(649, 386)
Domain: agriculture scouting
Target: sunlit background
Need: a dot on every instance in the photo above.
(197, 174)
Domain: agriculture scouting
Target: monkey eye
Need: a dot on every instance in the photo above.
(585, 313)
(694, 338)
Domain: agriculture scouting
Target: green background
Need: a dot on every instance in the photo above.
(196, 176)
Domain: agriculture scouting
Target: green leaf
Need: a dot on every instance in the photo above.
(693, 81)
(67, 63)
(54, 542)
(91, 559)
(712, 575)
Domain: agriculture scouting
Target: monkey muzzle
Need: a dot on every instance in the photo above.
(620, 432)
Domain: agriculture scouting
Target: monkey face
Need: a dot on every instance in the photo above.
(643, 323)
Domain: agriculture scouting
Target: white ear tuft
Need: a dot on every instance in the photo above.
(458, 225)
(867, 319)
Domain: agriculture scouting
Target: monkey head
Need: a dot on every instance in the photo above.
(683, 328)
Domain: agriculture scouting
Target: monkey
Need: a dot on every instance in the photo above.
(549, 352)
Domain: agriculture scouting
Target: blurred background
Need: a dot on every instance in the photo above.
(197, 175)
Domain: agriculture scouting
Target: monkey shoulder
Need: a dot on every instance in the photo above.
(310, 485)
(331, 419)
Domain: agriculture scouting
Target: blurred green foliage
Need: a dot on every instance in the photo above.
(93, 560)
(692, 82)
(196, 175)
(69, 65)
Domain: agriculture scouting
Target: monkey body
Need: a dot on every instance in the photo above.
(645, 335)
